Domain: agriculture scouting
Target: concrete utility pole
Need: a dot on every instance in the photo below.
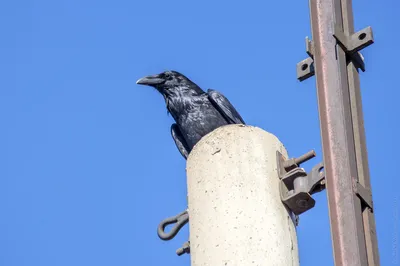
(334, 52)
(236, 213)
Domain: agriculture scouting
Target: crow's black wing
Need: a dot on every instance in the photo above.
(224, 107)
(179, 140)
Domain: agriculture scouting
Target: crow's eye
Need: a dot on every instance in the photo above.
(167, 76)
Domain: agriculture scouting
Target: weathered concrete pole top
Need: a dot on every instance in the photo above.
(236, 214)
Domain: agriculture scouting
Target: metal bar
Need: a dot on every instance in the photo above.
(337, 135)
(360, 140)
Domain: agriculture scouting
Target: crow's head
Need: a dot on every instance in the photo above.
(170, 83)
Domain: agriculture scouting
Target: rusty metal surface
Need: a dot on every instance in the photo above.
(296, 186)
(360, 140)
(337, 135)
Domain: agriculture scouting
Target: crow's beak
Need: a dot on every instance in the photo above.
(151, 80)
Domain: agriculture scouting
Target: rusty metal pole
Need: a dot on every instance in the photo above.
(334, 58)
(360, 140)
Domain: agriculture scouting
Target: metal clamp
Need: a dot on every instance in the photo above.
(181, 219)
(354, 43)
(297, 186)
(305, 68)
(350, 44)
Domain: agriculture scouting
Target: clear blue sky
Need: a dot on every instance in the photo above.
(88, 166)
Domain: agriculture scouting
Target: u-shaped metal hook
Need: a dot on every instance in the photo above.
(181, 219)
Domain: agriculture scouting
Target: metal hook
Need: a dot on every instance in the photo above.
(181, 219)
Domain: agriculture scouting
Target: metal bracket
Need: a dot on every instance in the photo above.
(354, 43)
(350, 44)
(364, 194)
(181, 219)
(297, 186)
(305, 68)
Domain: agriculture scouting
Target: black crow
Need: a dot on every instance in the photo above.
(195, 112)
